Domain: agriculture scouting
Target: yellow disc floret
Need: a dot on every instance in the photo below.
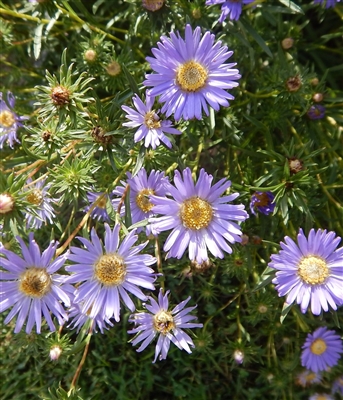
(191, 76)
(35, 282)
(7, 119)
(35, 197)
(164, 322)
(318, 347)
(142, 200)
(151, 120)
(196, 213)
(110, 269)
(313, 270)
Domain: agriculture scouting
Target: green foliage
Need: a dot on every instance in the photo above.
(71, 66)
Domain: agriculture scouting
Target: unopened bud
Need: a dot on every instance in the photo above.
(152, 5)
(60, 95)
(196, 13)
(245, 239)
(238, 356)
(113, 68)
(287, 43)
(314, 81)
(55, 352)
(90, 55)
(295, 165)
(6, 203)
(318, 97)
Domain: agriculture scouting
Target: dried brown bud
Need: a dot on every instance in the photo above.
(113, 68)
(245, 239)
(287, 43)
(199, 268)
(99, 135)
(318, 97)
(152, 5)
(60, 95)
(6, 203)
(293, 84)
(256, 240)
(295, 165)
(46, 135)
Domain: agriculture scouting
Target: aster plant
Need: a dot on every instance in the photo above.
(230, 8)
(150, 126)
(322, 349)
(33, 287)
(107, 273)
(99, 211)
(310, 272)
(10, 122)
(327, 3)
(190, 74)
(167, 325)
(200, 219)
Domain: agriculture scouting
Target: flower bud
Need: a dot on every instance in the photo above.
(295, 165)
(196, 13)
(287, 43)
(152, 5)
(113, 68)
(60, 95)
(245, 239)
(293, 84)
(55, 352)
(6, 203)
(318, 97)
(238, 356)
(90, 55)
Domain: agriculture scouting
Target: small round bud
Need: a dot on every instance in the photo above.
(295, 165)
(99, 135)
(152, 5)
(262, 308)
(287, 43)
(113, 68)
(293, 84)
(6, 203)
(90, 55)
(314, 81)
(256, 240)
(318, 97)
(196, 13)
(60, 95)
(46, 135)
(55, 352)
(238, 356)
(199, 268)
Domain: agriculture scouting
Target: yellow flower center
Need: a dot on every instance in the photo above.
(142, 200)
(313, 270)
(113, 69)
(35, 282)
(318, 347)
(110, 269)
(196, 213)
(35, 197)
(7, 119)
(163, 322)
(151, 120)
(102, 203)
(191, 76)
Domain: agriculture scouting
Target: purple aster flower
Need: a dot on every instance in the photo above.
(198, 217)
(166, 324)
(337, 386)
(99, 211)
(307, 378)
(9, 121)
(321, 350)
(79, 319)
(142, 186)
(31, 285)
(190, 74)
(38, 196)
(328, 3)
(317, 111)
(263, 201)
(311, 271)
(151, 127)
(321, 396)
(230, 7)
(109, 273)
